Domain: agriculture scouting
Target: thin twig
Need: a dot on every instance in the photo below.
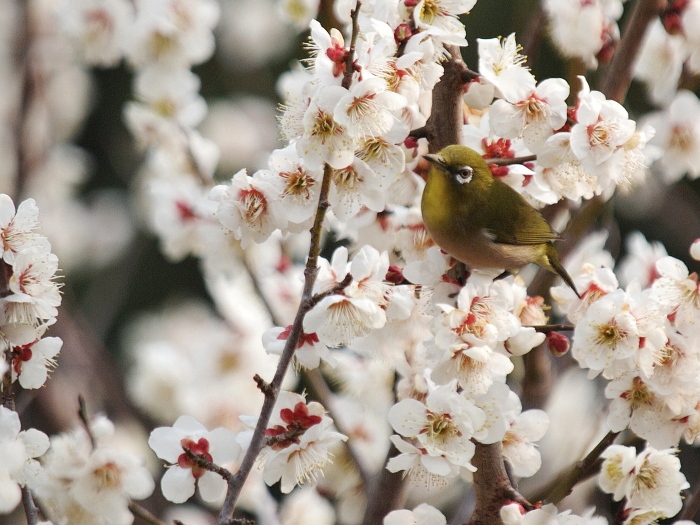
(564, 484)
(83, 415)
(546, 328)
(235, 484)
(515, 160)
(30, 510)
(620, 69)
(691, 506)
(142, 513)
(8, 397)
(317, 298)
(208, 465)
(321, 391)
(349, 66)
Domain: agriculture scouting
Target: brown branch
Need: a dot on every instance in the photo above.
(444, 127)
(620, 69)
(564, 484)
(546, 328)
(384, 492)
(691, 506)
(349, 66)
(508, 162)
(492, 487)
(142, 513)
(83, 415)
(317, 298)
(235, 484)
(30, 510)
(208, 465)
(8, 398)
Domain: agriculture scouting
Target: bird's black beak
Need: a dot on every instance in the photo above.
(434, 158)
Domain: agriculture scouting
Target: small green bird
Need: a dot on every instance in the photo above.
(482, 221)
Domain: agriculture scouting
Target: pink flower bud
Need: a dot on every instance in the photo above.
(558, 343)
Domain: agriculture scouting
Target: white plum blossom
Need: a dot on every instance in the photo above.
(18, 468)
(420, 466)
(501, 63)
(584, 29)
(676, 292)
(602, 128)
(366, 109)
(171, 93)
(296, 185)
(678, 135)
(519, 442)
(354, 187)
(98, 28)
(639, 264)
(607, 333)
(299, 436)
(218, 446)
(650, 481)
(355, 311)
(423, 514)
(660, 62)
(35, 295)
(535, 117)
(19, 230)
(87, 481)
(32, 362)
(108, 481)
(245, 207)
(324, 139)
(443, 425)
(177, 33)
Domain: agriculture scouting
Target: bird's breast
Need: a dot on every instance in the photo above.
(478, 250)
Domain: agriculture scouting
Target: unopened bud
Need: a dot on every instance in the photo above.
(394, 275)
(403, 32)
(558, 343)
(695, 250)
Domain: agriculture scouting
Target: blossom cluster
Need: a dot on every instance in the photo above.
(642, 339)
(387, 304)
(650, 482)
(89, 479)
(30, 294)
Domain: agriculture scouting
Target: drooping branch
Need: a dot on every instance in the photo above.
(320, 389)
(564, 484)
(620, 70)
(235, 484)
(142, 513)
(30, 509)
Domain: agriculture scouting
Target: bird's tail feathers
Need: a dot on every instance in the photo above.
(554, 265)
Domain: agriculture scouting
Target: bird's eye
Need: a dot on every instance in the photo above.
(464, 174)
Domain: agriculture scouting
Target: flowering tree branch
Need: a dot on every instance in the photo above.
(564, 484)
(235, 484)
(619, 72)
(349, 64)
(208, 465)
(321, 391)
(546, 328)
(142, 513)
(30, 509)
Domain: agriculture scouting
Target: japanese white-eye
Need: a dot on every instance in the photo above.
(480, 220)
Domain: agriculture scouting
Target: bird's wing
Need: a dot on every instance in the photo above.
(519, 223)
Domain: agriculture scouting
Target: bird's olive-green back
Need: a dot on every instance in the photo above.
(483, 203)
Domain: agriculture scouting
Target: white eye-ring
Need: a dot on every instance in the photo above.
(464, 174)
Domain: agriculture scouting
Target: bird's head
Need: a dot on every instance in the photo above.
(461, 163)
